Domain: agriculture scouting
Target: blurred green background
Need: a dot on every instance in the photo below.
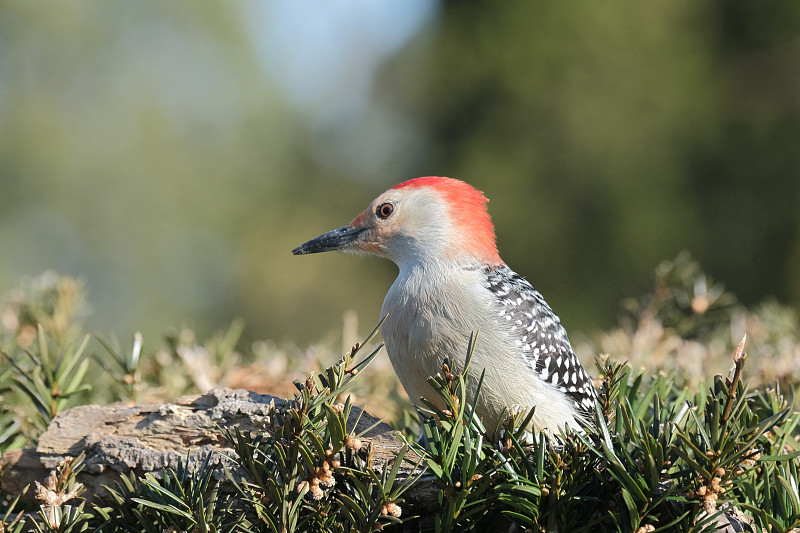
(171, 154)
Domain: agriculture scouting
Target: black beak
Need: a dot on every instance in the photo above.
(333, 240)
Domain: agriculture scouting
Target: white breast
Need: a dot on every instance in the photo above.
(431, 313)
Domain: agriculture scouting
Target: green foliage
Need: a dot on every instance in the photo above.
(12, 522)
(10, 425)
(455, 451)
(48, 381)
(183, 499)
(308, 472)
(63, 519)
(658, 456)
(126, 368)
(42, 367)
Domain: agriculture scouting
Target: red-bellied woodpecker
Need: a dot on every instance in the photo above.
(452, 282)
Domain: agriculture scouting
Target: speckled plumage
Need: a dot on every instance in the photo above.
(541, 339)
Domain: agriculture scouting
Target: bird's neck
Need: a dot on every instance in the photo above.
(433, 269)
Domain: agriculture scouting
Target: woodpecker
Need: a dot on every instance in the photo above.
(452, 282)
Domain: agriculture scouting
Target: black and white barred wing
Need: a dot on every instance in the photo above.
(541, 339)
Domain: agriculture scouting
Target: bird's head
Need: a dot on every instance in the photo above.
(419, 220)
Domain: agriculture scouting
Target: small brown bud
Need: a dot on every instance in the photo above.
(700, 305)
(391, 508)
(328, 481)
(739, 353)
(352, 442)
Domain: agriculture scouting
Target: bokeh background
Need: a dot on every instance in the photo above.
(171, 154)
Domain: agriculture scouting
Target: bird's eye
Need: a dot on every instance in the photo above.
(384, 211)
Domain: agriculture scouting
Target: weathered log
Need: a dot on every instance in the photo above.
(117, 439)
